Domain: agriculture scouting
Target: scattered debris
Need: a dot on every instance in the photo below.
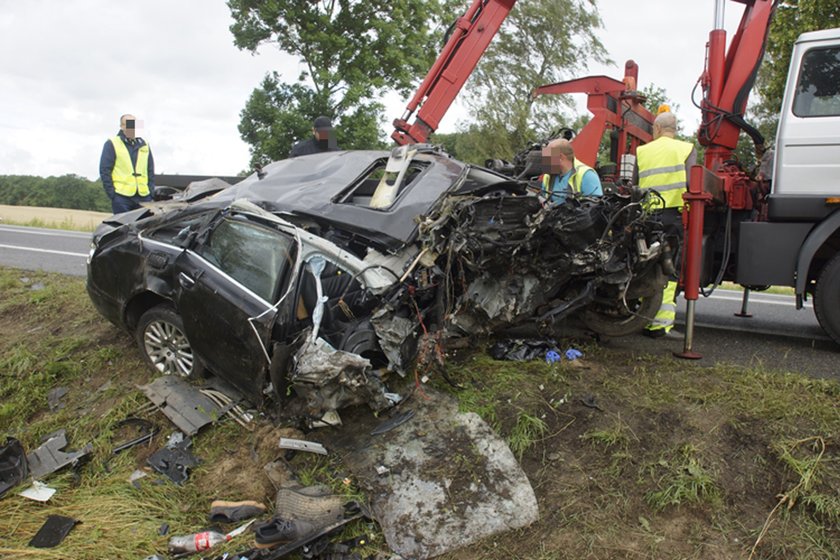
(382, 470)
(454, 485)
(53, 531)
(590, 401)
(13, 466)
(522, 350)
(231, 512)
(146, 431)
(54, 398)
(39, 492)
(284, 550)
(328, 379)
(196, 542)
(573, 354)
(134, 478)
(163, 530)
(302, 445)
(390, 424)
(183, 404)
(174, 461)
(49, 457)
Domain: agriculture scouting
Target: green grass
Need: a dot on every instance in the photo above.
(682, 479)
(704, 454)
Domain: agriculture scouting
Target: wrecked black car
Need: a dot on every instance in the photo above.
(327, 272)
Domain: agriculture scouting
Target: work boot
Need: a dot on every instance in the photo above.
(231, 512)
(280, 531)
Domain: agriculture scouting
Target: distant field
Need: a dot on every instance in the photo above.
(63, 218)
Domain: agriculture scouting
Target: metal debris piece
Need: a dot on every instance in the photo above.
(303, 445)
(54, 398)
(13, 465)
(39, 492)
(49, 457)
(329, 379)
(428, 490)
(146, 430)
(392, 423)
(182, 403)
(589, 401)
(53, 531)
(174, 462)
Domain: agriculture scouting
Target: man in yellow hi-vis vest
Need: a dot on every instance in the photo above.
(127, 168)
(663, 165)
(565, 174)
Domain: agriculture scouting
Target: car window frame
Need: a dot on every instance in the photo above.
(282, 279)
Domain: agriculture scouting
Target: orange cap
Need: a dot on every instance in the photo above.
(664, 108)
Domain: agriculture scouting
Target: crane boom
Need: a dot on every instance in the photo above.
(471, 34)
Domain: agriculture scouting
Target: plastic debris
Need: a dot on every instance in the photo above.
(39, 492)
(552, 356)
(522, 350)
(53, 531)
(573, 354)
(302, 445)
(13, 465)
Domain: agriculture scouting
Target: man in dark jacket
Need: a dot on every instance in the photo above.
(127, 168)
(323, 141)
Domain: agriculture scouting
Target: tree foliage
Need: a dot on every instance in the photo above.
(792, 18)
(352, 51)
(541, 42)
(67, 191)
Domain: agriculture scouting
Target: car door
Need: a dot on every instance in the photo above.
(227, 283)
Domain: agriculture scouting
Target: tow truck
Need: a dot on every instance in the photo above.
(739, 226)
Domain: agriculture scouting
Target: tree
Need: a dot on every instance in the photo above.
(352, 51)
(541, 42)
(792, 18)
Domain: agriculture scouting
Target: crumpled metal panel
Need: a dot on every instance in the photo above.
(397, 337)
(329, 379)
(50, 456)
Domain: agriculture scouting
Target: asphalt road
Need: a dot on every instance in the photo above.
(53, 250)
(777, 337)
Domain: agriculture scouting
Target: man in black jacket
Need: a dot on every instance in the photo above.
(323, 141)
(127, 168)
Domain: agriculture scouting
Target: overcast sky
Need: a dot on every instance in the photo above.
(70, 68)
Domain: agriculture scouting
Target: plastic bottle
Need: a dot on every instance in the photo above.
(197, 542)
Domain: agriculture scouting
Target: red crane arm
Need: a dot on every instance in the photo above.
(729, 77)
(470, 37)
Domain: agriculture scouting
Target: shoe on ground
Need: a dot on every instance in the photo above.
(231, 512)
(281, 531)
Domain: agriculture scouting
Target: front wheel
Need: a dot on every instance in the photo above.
(827, 299)
(160, 336)
(618, 321)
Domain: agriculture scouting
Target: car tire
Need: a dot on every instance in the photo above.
(827, 299)
(623, 323)
(160, 336)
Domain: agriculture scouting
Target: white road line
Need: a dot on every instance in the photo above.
(790, 303)
(43, 250)
(58, 232)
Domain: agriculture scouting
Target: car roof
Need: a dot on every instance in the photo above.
(314, 185)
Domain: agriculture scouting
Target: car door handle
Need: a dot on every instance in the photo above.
(185, 281)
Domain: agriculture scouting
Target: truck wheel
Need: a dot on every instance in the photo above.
(827, 299)
(621, 322)
(160, 336)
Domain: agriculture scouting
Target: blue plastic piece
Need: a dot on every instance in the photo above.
(552, 356)
(573, 354)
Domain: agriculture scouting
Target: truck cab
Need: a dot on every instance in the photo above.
(807, 162)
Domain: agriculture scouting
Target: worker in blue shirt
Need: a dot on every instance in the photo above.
(565, 174)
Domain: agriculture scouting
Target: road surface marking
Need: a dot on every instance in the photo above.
(43, 250)
(58, 232)
(791, 303)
